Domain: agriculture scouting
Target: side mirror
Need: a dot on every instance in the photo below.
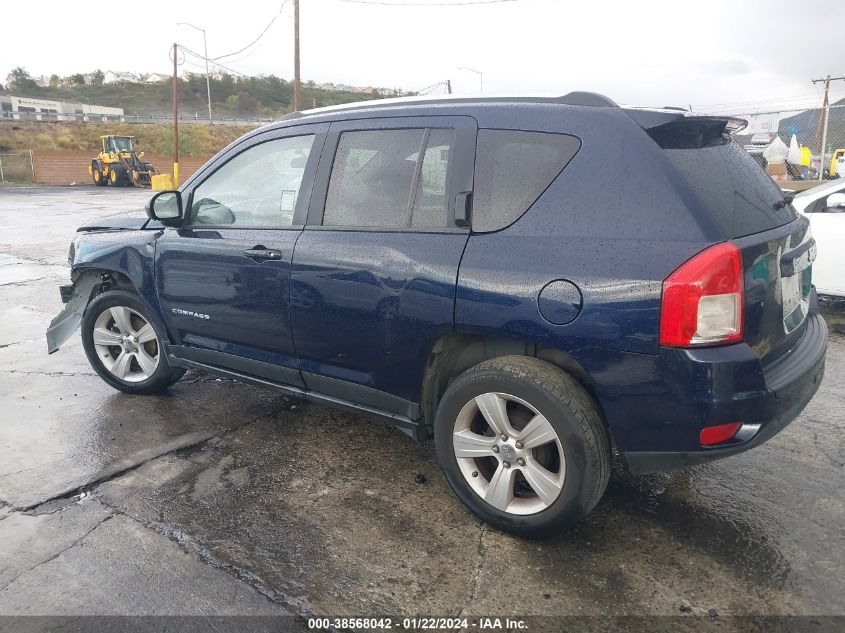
(835, 202)
(166, 207)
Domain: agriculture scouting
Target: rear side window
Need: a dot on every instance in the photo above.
(739, 195)
(390, 179)
(512, 170)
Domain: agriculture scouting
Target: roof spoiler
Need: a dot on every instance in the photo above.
(676, 130)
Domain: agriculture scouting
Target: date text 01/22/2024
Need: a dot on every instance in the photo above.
(417, 624)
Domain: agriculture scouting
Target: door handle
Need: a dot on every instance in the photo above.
(261, 254)
(463, 208)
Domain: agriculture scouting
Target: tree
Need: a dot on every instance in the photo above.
(98, 77)
(76, 80)
(21, 80)
(247, 104)
(54, 80)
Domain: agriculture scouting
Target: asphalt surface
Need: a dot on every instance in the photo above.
(219, 498)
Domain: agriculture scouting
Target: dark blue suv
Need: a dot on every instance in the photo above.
(532, 282)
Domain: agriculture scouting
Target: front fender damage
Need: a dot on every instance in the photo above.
(64, 325)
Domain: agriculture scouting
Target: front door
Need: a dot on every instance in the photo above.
(223, 277)
(374, 272)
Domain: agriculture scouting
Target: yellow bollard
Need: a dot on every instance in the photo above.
(175, 175)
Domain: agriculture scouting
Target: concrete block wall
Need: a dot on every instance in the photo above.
(63, 167)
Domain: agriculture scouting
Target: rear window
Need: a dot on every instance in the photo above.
(512, 170)
(740, 196)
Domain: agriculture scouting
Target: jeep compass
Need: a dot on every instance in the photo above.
(471, 271)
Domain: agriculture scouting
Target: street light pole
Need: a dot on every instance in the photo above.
(205, 53)
(480, 77)
(175, 116)
(297, 87)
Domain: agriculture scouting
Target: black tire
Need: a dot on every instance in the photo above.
(99, 179)
(569, 409)
(163, 376)
(117, 177)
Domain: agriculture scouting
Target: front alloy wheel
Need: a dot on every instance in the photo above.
(126, 344)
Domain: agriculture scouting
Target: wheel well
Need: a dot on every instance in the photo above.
(109, 280)
(454, 354)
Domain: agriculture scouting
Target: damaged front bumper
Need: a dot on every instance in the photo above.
(75, 298)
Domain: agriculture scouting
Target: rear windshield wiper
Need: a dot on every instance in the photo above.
(787, 199)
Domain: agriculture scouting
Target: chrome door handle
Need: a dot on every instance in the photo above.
(260, 254)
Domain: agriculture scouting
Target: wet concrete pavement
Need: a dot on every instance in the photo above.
(221, 498)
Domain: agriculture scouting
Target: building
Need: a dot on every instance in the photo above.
(157, 78)
(12, 107)
(116, 77)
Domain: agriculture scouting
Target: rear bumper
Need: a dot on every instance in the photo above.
(787, 386)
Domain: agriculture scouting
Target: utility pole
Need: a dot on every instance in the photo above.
(297, 88)
(205, 52)
(823, 119)
(448, 87)
(175, 118)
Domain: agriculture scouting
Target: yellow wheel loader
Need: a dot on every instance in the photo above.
(119, 164)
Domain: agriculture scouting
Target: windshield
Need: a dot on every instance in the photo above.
(120, 144)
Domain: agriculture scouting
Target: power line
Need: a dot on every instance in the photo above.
(198, 56)
(431, 88)
(808, 97)
(460, 3)
(255, 41)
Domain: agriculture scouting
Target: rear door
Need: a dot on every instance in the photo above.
(374, 272)
(223, 277)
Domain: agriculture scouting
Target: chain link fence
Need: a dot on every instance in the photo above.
(788, 143)
(17, 166)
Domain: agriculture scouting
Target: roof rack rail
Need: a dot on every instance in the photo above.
(577, 98)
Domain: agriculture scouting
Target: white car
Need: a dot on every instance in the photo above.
(824, 206)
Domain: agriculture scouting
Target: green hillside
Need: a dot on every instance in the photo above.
(153, 138)
(265, 96)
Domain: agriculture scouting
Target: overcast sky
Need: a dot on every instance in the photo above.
(761, 53)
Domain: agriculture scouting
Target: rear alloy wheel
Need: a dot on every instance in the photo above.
(123, 345)
(523, 445)
(509, 454)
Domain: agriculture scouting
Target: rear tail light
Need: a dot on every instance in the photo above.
(712, 435)
(703, 300)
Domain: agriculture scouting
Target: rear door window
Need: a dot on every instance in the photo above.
(430, 203)
(512, 169)
(390, 179)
